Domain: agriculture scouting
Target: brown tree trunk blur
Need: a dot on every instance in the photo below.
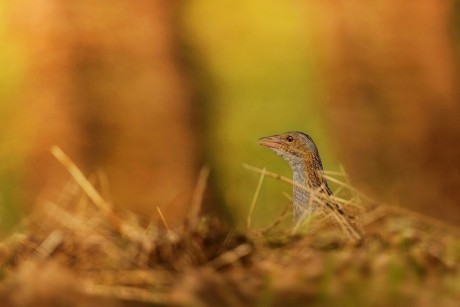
(104, 83)
(394, 108)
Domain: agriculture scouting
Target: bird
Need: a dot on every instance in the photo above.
(302, 154)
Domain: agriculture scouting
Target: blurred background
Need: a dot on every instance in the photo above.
(147, 92)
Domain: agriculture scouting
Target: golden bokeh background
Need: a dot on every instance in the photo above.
(147, 92)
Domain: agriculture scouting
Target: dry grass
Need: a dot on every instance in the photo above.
(83, 253)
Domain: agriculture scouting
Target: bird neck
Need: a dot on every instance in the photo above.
(306, 172)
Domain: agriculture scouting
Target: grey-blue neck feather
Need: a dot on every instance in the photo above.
(301, 198)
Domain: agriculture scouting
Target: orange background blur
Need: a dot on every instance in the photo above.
(147, 92)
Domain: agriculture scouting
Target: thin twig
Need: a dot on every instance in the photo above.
(80, 179)
(227, 239)
(163, 218)
(231, 256)
(332, 179)
(50, 244)
(254, 199)
(197, 196)
(86, 186)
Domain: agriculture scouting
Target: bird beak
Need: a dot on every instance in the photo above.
(270, 141)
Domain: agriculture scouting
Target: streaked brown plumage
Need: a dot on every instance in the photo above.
(299, 150)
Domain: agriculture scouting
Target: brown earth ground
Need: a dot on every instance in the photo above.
(81, 252)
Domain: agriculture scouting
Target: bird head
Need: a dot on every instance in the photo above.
(292, 146)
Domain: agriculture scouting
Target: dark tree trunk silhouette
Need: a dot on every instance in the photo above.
(105, 83)
(393, 99)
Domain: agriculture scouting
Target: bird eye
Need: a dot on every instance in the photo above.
(290, 138)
